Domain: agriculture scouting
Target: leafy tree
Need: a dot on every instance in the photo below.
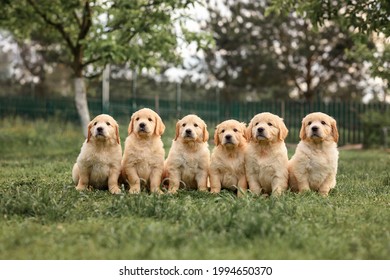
(272, 55)
(90, 33)
(365, 18)
(241, 57)
(317, 62)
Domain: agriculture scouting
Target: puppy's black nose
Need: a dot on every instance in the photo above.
(314, 128)
(99, 129)
(260, 130)
(228, 137)
(188, 131)
(142, 125)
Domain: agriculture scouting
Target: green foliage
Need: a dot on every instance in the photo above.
(94, 33)
(243, 57)
(42, 216)
(380, 64)
(269, 56)
(366, 16)
(373, 123)
(98, 32)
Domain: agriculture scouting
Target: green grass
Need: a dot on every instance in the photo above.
(42, 216)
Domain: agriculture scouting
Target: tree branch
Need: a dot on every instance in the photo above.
(58, 26)
(96, 59)
(86, 22)
(77, 19)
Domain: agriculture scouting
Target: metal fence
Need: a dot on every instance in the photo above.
(347, 114)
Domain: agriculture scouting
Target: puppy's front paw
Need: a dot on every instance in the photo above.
(203, 189)
(324, 193)
(172, 191)
(157, 191)
(134, 191)
(241, 192)
(277, 192)
(215, 191)
(115, 190)
(81, 188)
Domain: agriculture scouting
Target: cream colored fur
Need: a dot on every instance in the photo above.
(314, 164)
(266, 156)
(143, 157)
(189, 157)
(227, 166)
(99, 161)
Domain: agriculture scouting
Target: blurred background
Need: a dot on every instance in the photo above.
(220, 59)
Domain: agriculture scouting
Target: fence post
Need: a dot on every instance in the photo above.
(385, 130)
(134, 90)
(178, 100)
(157, 103)
(218, 104)
(283, 109)
(106, 90)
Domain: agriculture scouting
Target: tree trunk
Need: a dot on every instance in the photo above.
(82, 104)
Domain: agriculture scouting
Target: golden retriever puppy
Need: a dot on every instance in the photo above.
(189, 157)
(314, 164)
(227, 163)
(99, 162)
(143, 156)
(266, 156)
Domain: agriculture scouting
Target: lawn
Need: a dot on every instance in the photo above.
(42, 216)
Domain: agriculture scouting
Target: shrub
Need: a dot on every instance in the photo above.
(373, 124)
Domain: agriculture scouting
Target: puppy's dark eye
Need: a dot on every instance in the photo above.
(223, 130)
(309, 123)
(324, 123)
(257, 123)
(107, 123)
(150, 119)
(235, 129)
(269, 124)
(95, 123)
(137, 119)
(195, 124)
(183, 125)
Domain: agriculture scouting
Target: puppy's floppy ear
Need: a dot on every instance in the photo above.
(216, 136)
(283, 131)
(178, 123)
(248, 131)
(302, 132)
(243, 140)
(335, 132)
(118, 139)
(89, 130)
(243, 129)
(131, 125)
(205, 133)
(160, 126)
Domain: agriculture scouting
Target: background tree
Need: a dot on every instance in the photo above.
(368, 20)
(268, 56)
(366, 16)
(91, 33)
(241, 57)
(317, 62)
